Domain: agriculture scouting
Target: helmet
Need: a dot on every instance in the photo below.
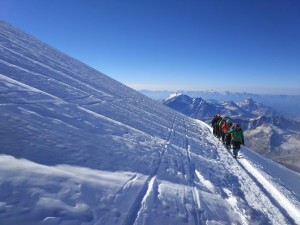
(219, 115)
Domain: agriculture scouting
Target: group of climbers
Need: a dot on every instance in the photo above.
(230, 133)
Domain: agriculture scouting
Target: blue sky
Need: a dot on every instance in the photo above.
(241, 45)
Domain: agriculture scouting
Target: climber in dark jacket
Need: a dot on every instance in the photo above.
(215, 121)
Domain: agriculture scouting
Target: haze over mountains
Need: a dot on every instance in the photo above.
(267, 131)
(287, 104)
(78, 147)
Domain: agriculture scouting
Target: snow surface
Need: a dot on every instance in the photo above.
(80, 148)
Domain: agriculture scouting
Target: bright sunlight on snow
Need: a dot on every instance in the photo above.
(78, 147)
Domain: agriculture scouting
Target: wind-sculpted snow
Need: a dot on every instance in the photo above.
(80, 148)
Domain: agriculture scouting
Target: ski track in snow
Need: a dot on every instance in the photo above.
(109, 119)
(192, 172)
(143, 209)
(139, 204)
(12, 81)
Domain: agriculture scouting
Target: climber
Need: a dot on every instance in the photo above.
(221, 123)
(226, 138)
(237, 138)
(215, 121)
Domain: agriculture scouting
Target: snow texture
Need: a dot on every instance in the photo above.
(78, 147)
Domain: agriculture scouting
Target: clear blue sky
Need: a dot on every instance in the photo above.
(241, 45)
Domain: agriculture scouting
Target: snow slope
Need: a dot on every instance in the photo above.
(77, 147)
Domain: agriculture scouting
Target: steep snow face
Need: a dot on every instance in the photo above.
(80, 148)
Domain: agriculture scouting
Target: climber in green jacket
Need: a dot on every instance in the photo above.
(237, 138)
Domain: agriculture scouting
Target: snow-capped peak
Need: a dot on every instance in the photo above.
(174, 95)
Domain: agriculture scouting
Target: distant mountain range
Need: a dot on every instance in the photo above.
(267, 131)
(287, 104)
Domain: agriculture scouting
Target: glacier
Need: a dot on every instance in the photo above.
(78, 147)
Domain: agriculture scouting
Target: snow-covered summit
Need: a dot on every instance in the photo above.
(78, 147)
(177, 95)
